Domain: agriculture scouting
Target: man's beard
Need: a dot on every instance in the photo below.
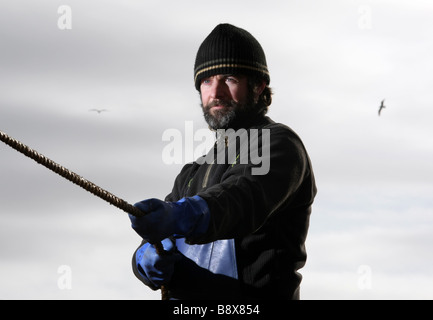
(233, 115)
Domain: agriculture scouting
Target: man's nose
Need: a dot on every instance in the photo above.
(218, 90)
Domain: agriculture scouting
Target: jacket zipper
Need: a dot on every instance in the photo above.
(206, 176)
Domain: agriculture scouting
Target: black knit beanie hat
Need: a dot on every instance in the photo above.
(230, 50)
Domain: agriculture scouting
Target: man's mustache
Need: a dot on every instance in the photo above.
(224, 103)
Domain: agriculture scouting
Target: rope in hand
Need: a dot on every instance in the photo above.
(83, 183)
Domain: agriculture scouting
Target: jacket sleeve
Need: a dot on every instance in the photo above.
(191, 281)
(243, 201)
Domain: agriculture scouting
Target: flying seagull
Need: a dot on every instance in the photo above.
(381, 106)
(98, 110)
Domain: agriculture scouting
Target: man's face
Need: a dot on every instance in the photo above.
(224, 97)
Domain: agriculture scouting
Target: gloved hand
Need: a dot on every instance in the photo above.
(156, 270)
(187, 217)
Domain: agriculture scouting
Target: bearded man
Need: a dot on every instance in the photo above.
(231, 232)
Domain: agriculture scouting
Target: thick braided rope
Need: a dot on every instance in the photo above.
(84, 183)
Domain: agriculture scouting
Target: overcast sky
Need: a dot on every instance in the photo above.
(331, 64)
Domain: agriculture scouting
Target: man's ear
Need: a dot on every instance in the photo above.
(258, 89)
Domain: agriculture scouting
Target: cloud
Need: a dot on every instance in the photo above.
(394, 256)
(95, 243)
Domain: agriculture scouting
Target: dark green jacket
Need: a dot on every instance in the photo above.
(266, 215)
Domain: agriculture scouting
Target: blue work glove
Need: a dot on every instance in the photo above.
(156, 270)
(187, 217)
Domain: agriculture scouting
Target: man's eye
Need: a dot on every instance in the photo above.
(231, 79)
(205, 81)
